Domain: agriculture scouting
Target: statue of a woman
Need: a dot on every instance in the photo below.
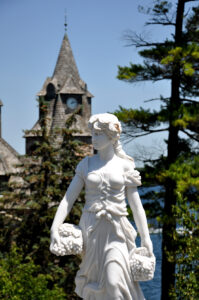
(110, 179)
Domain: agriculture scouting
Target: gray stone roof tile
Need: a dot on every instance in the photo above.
(65, 65)
(9, 158)
(59, 117)
(66, 77)
(71, 87)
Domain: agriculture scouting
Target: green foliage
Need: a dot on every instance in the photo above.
(32, 200)
(141, 116)
(161, 7)
(157, 53)
(186, 57)
(126, 73)
(160, 61)
(192, 32)
(136, 73)
(21, 279)
(175, 59)
(186, 242)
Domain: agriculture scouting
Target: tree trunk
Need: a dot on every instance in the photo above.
(169, 223)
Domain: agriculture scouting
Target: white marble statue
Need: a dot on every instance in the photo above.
(109, 269)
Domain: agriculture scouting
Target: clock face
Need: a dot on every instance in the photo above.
(72, 103)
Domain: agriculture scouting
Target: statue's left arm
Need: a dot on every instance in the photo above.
(139, 218)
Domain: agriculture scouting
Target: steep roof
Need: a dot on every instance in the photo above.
(59, 118)
(66, 77)
(9, 158)
(65, 65)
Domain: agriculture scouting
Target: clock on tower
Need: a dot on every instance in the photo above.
(72, 103)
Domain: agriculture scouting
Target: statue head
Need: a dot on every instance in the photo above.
(110, 125)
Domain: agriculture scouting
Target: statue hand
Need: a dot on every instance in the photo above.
(146, 242)
(55, 238)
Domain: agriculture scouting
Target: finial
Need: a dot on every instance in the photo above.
(65, 24)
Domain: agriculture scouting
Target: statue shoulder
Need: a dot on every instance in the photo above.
(132, 177)
(128, 165)
(82, 167)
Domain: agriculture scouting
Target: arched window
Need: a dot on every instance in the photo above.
(50, 91)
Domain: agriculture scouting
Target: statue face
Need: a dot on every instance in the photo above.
(100, 140)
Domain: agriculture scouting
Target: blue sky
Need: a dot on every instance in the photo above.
(31, 32)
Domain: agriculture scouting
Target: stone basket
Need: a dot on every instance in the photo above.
(71, 241)
(142, 264)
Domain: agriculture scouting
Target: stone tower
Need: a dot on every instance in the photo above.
(66, 93)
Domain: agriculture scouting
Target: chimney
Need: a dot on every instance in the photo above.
(1, 104)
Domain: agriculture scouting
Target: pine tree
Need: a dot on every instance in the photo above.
(175, 59)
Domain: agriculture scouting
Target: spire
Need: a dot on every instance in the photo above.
(65, 66)
(66, 77)
(65, 24)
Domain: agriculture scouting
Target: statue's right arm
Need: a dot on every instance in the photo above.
(65, 206)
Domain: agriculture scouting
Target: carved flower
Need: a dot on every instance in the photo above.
(142, 264)
(132, 178)
(71, 241)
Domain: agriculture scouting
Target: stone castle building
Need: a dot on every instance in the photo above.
(65, 94)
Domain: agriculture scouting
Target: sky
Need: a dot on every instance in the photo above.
(31, 33)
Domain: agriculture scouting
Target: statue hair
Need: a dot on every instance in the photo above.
(119, 151)
(110, 124)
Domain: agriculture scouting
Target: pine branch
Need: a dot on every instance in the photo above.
(192, 136)
(190, 1)
(161, 23)
(138, 40)
(153, 99)
(189, 100)
(129, 135)
(160, 14)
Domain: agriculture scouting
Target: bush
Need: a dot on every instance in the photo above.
(20, 279)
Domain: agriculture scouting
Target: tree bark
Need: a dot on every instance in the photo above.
(169, 224)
